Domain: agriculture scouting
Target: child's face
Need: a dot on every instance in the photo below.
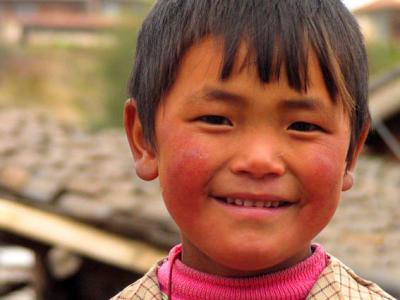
(252, 143)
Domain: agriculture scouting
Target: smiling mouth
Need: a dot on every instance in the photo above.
(251, 203)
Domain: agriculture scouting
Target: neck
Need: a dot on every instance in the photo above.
(197, 260)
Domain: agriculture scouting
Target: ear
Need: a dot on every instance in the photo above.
(145, 159)
(348, 178)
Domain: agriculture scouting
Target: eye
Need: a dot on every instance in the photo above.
(304, 126)
(215, 120)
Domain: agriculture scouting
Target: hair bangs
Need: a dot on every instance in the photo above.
(278, 39)
(279, 36)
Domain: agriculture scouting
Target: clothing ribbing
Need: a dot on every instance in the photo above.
(293, 283)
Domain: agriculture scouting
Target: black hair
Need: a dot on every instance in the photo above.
(277, 32)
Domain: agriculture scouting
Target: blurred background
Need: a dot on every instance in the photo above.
(75, 222)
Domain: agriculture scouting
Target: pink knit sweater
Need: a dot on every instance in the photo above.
(293, 283)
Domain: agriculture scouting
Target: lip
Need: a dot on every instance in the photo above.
(255, 197)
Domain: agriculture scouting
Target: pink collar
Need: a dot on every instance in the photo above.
(292, 283)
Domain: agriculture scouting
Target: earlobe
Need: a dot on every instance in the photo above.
(348, 178)
(143, 153)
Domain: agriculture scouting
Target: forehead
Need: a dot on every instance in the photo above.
(201, 66)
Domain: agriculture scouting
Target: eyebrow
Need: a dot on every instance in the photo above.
(302, 103)
(290, 104)
(210, 93)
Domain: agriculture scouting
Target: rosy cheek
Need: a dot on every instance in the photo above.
(184, 169)
(324, 176)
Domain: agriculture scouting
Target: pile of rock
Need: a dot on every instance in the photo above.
(86, 176)
(90, 176)
(365, 232)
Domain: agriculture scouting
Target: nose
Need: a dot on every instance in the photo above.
(259, 158)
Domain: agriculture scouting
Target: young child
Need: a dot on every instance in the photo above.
(252, 114)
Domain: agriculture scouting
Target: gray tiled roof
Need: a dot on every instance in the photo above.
(87, 176)
(91, 177)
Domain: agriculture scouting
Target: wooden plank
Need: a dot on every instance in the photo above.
(76, 237)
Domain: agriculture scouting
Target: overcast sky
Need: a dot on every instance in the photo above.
(351, 4)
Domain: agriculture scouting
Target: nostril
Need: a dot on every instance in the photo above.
(258, 166)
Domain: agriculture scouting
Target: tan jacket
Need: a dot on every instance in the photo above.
(337, 281)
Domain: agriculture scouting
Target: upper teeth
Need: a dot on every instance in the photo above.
(250, 203)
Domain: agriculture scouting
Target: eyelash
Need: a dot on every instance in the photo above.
(215, 120)
(304, 127)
